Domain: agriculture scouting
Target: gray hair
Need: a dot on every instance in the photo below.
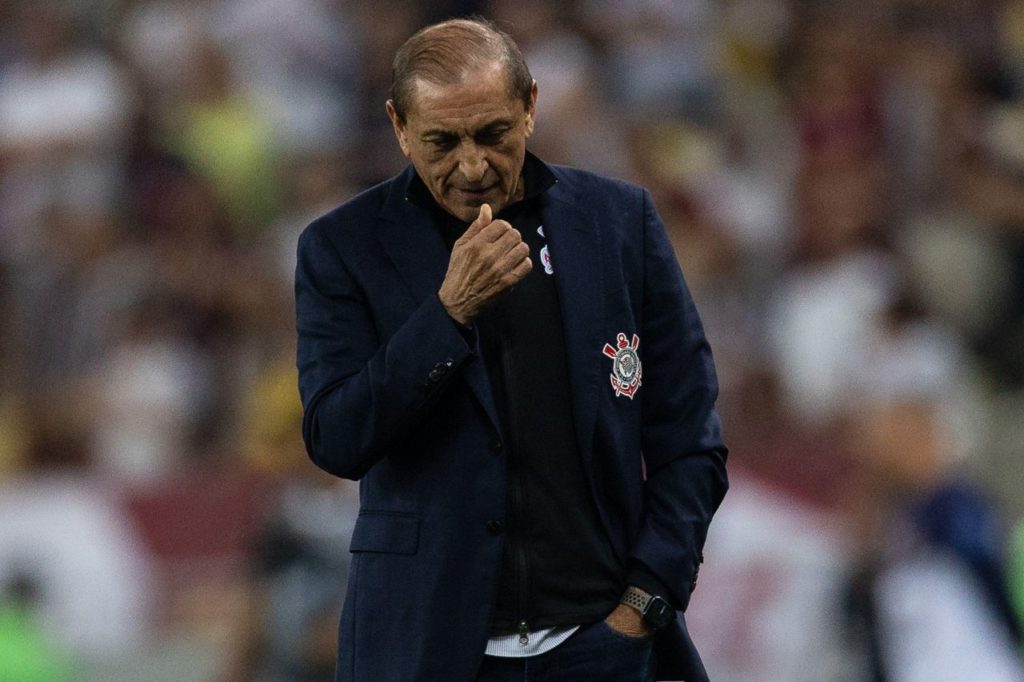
(443, 53)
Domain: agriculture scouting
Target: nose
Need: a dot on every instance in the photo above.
(472, 163)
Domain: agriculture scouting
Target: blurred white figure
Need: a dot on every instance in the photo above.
(297, 60)
(64, 110)
(936, 625)
(662, 57)
(822, 329)
(151, 392)
(766, 609)
(70, 538)
(929, 601)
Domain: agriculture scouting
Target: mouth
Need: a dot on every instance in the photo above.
(474, 193)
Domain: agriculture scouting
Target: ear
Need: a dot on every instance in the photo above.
(531, 110)
(396, 123)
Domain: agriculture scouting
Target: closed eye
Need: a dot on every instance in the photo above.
(491, 137)
(442, 142)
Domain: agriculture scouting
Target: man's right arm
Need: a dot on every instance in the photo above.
(359, 393)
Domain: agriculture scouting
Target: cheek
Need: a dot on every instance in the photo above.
(508, 160)
(443, 178)
(435, 167)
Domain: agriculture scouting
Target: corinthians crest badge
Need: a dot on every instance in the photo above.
(626, 369)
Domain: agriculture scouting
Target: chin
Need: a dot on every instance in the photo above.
(465, 213)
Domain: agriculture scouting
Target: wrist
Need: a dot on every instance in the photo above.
(462, 322)
(628, 621)
(457, 316)
(655, 611)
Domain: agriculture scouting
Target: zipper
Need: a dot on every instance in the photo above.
(516, 527)
(519, 554)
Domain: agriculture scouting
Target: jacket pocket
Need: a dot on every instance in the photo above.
(386, 532)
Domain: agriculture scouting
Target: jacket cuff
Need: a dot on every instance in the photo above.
(468, 331)
(640, 576)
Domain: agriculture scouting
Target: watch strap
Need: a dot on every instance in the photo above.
(637, 598)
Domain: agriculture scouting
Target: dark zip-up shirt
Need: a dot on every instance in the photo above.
(558, 567)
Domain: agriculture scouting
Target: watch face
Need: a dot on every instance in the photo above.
(659, 613)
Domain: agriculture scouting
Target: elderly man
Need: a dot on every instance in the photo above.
(505, 354)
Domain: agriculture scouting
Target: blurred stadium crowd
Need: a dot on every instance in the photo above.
(844, 182)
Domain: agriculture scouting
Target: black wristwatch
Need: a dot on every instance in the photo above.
(656, 611)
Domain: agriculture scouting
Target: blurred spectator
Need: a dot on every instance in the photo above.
(161, 39)
(832, 77)
(227, 141)
(63, 531)
(1016, 573)
(26, 654)
(151, 393)
(930, 600)
(830, 301)
(770, 609)
(299, 569)
(298, 62)
(660, 55)
(50, 158)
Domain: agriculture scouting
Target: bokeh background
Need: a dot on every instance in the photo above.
(844, 184)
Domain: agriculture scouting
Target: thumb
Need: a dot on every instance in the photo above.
(483, 219)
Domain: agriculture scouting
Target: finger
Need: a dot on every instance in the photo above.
(484, 234)
(521, 270)
(506, 241)
(516, 262)
(494, 232)
(513, 257)
(508, 280)
(483, 219)
(510, 275)
(502, 256)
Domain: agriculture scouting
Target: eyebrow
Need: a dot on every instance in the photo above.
(491, 127)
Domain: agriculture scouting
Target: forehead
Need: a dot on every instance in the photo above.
(480, 97)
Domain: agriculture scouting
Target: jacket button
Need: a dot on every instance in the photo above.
(495, 527)
(438, 371)
(496, 446)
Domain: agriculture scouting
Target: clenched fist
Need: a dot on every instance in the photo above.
(488, 259)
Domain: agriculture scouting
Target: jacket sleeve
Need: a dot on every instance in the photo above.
(359, 391)
(681, 433)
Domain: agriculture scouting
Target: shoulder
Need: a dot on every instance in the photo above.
(621, 211)
(357, 217)
(958, 514)
(590, 184)
(615, 205)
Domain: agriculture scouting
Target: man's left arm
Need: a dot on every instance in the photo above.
(681, 436)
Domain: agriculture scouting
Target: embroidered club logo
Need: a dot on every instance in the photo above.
(626, 368)
(545, 255)
(545, 259)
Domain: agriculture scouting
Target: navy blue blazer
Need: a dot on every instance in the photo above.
(395, 396)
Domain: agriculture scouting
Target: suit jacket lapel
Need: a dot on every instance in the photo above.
(418, 252)
(411, 241)
(579, 277)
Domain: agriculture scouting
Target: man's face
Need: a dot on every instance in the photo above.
(467, 140)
